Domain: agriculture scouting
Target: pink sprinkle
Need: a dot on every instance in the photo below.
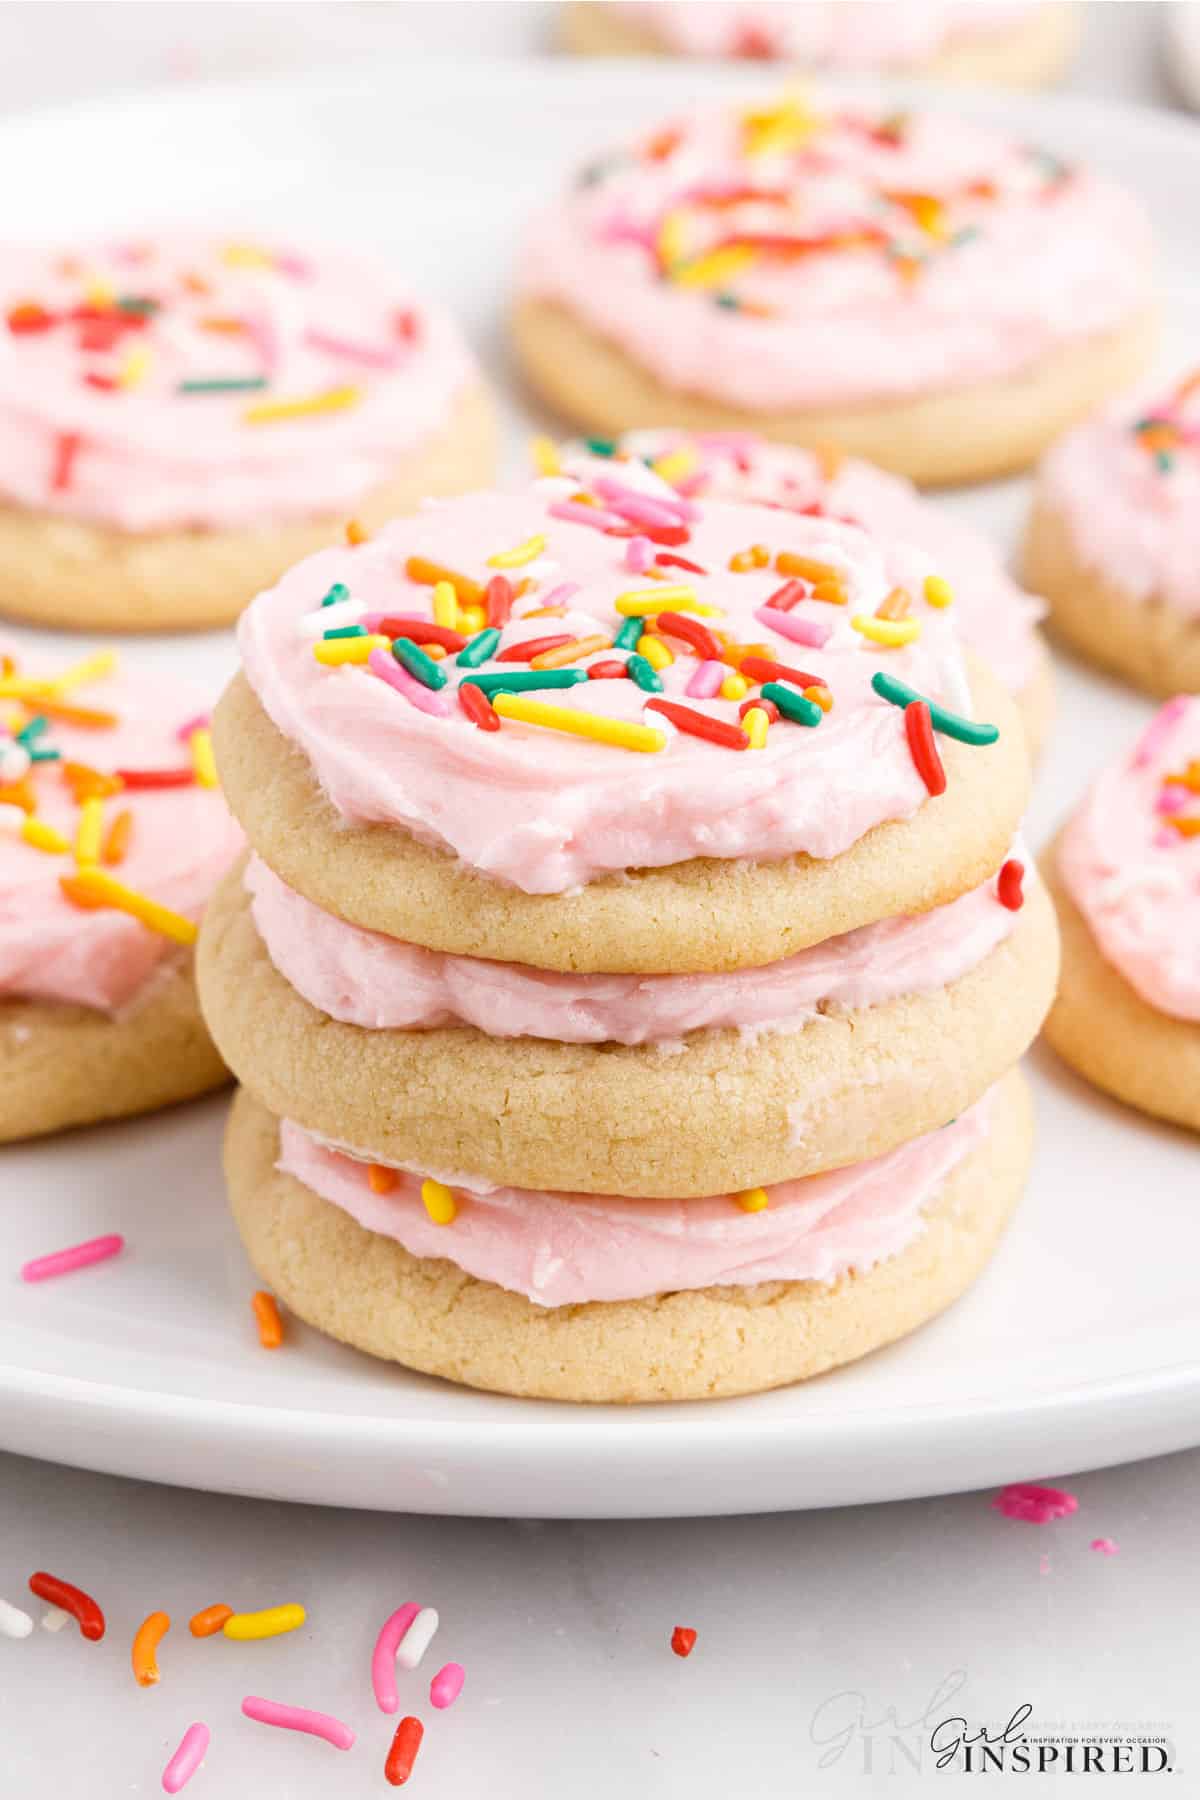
(643, 509)
(1035, 1505)
(639, 554)
(367, 354)
(1172, 798)
(384, 664)
(558, 596)
(1105, 1545)
(1158, 731)
(706, 681)
(79, 1256)
(383, 1657)
(813, 632)
(199, 723)
(298, 1718)
(447, 1685)
(193, 1746)
(1166, 840)
(292, 264)
(577, 514)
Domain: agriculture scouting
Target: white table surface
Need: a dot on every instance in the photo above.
(806, 1621)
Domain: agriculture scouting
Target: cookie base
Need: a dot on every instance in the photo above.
(1032, 52)
(66, 1065)
(89, 577)
(970, 433)
(370, 1293)
(1109, 1034)
(1145, 642)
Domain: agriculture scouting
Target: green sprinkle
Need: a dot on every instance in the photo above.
(952, 725)
(643, 674)
(44, 755)
(421, 667)
(33, 729)
(479, 648)
(339, 591)
(137, 303)
(792, 705)
(601, 446)
(523, 681)
(1164, 461)
(224, 384)
(964, 236)
(630, 633)
(730, 302)
(345, 631)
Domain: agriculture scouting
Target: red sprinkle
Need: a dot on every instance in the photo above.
(406, 324)
(421, 631)
(66, 450)
(767, 706)
(606, 671)
(683, 1640)
(403, 1753)
(1008, 885)
(698, 724)
(534, 647)
(918, 728)
(81, 1606)
(761, 668)
(478, 707)
(105, 383)
(658, 534)
(692, 632)
(155, 778)
(28, 317)
(787, 596)
(669, 561)
(498, 599)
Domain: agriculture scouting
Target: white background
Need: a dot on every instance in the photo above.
(564, 1629)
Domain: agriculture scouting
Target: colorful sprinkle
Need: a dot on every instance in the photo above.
(204, 763)
(147, 1638)
(91, 887)
(335, 653)
(421, 667)
(643, 674)
(652, 650)
(480, 649)
(403, 1753)
(447, 1685)
(439, 1202)
(266, 1317)
(569, 652)
(521, 554)
(793, 706)
(950, 724)
(298, 1718)
(383, 1657)
(78, 1256)
(417, 1638)
(520, 681)
(270, 412)
(72, 1600)
(752, 1200)
(1008, 885)
(892, 634)
(381, 662)
(918, 728)
(616, 732)
(17, 1624)
(683, 1640)
(938, 592)
(193, 1747)
(701, 725)
(478, 708)
(272, 1621)
(1034, 1505)
(209, 1620)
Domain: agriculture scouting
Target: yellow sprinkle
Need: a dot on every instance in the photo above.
(753, 1200)
(203, 762)
(135, 366)
(25, 687)
(246, 256)
(756, 724)
(104, 890)
(92, 668)
(891, 633)
(638, 601)
(520, 555)
(937, 591)
(677, 465)
(439, 1202)
(734, 687)
(98, 292)
(273, 1621)
(655, 651)
(90, 832)
(445, 604)
(544, 456)
(470, 620)
(579, 724)
(265, 412)
(44, 837)
(335, 651)
(714, 269)
(672, 238)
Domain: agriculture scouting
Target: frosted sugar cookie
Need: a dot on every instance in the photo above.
(181, 418)
(924, 291)
(113, 834)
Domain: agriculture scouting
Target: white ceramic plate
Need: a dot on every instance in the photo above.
(1081, 1345)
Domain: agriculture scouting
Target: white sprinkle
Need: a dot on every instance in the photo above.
(54, 1619)
(330, 618)
(417, 1638)
(13, 1622)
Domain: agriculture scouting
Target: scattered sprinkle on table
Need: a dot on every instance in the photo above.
(78, 1256)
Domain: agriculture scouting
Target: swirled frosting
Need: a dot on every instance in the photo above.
(995, 617)
(567, 1249)
(366, 979)
(850, 34)
(1130, 859)
(549, 811)
(137, 381)
(775, 258)
(181, 840)
(1128, 485)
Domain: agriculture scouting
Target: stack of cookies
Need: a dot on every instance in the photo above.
(635, 946)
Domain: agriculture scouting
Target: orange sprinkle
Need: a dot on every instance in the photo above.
(756, 557)
(356, 532)
(435, 652)
(734, 653)
(209, 1620)
(147, 1638)
(19, 793)
(87, 783)
(80, 894)
(196, 284)
(419, 568)
(381, 1179)
(270, 1325)
(1188, 778)
(1187, 387)
(227, 327)
(829, 459)
(1158, 437)
(116, 844)
(807, 567)
(895, 606)
(569, 653)
(88, 718)
(820, 696)
(546, 612)
(831, 592)
(1188, 828)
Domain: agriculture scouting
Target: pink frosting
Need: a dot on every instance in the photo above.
(183, 839)
(380, 983)
(567, 1249)
(848, 34)
(1134, 511)
(150, 457)
(549, 812)
(1025, 256)
(996, 618)
(1133, 873)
